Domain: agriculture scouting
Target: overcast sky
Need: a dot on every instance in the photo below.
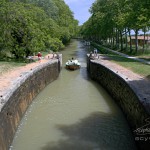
(80, 8)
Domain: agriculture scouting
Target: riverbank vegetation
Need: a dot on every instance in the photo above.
(29, 26)
(113, 21)
(131, 64)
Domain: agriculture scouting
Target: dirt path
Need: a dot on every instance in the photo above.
(7, 79)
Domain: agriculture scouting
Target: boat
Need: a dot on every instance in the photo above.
(72, 64)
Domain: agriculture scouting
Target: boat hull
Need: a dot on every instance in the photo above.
(72, 67)
(72, 64)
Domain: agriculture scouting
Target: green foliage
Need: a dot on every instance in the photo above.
(62, 16)
(48, 6)
(55, 44)
(112, 20)
(20, 29)
(29, 26)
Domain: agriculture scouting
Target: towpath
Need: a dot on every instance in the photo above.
(127, 56)
(7, 79)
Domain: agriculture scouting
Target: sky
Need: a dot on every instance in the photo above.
(80, 8)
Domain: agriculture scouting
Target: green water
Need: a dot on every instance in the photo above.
(73, 113)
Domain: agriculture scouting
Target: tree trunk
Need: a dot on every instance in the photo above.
(130, 41)
(144, 42)
(126, 40)
(116, 39)
(113, 42)
(136, 41)
(121, 41)
(118, 44)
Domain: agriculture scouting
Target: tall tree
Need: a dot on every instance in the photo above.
(28, 26)
(111, 18)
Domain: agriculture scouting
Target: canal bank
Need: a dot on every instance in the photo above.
(74, 113)
(131, 92)
(19, 95)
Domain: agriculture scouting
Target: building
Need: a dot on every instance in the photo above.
(141, 40)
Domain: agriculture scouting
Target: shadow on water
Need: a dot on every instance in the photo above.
(84, 74)
(92, 133)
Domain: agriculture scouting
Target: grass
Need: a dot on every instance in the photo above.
(144, 56)
(8, 66)
(136, 66)
(140, 54)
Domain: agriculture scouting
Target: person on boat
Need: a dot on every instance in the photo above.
(72, 59)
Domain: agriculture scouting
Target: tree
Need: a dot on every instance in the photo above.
(20, 32)
(32, 25)
(112, 19)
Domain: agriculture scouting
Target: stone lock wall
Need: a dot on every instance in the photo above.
(131, 99)
(16, 101)
(121, 91)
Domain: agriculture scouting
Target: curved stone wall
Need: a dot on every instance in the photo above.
(126, 95)
(20, 96)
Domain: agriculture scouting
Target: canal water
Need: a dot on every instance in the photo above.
(73, 113)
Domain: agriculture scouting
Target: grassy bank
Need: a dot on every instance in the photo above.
(8, 66)
(134, 65)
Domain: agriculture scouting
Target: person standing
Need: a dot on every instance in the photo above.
(39, 56)
(95, 52)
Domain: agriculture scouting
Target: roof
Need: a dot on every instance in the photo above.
(141, 37)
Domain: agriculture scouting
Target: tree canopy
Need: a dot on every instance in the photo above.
(29, 26)
(114, 19)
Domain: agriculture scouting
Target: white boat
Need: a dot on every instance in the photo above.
(72, 64)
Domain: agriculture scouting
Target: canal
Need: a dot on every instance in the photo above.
(73, 113)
